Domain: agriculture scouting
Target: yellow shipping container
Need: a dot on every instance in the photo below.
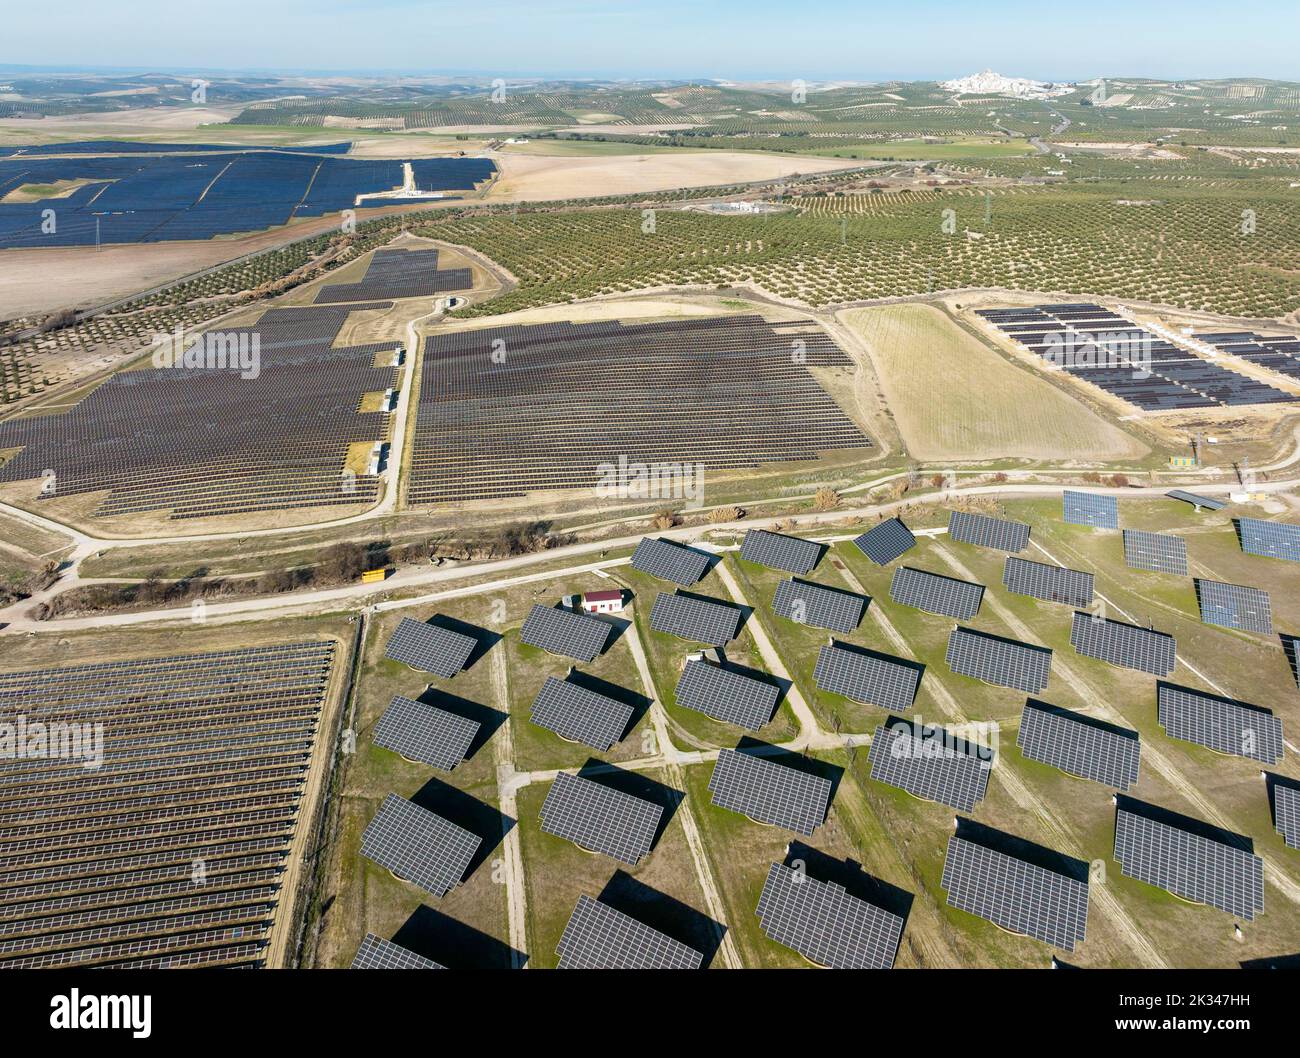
(374, 576)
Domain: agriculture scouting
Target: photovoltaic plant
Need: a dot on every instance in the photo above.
(1156, 552)
(599, 818)
(580, 715)
(425, 733)
(1079, 744)
(1019, 895)
(825, 924)
(769, 792)
(695, 618)
(993, 659)
(731, 697)
(1041, 580)
(866, 676)
(376, 953)
(1208, 502)
(565, 632)
(1234, 606)
(1269, 539)
(815, 604)
(430, 648)
(886, 542)
(791, 554)
(1286, 813)
(1221, 724)
(931, 763)
(1089, 508)
(669, 560)
(419, 846)
(599, 937)
(936, 593)
(1123, 644)
(984, 531)
(1189, 859)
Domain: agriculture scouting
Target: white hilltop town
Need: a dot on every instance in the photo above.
(990, 83)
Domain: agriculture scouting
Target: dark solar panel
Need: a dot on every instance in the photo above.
(580, 715)
(430, 648)
(1157, 552)
(984, 531)
(1221, 724)
(725, 695)
(695, 618)
(931, 763)
(565, 632)
(601, 819)
(1040, 580)
(1123, 644)
(1234, 606)
(815, 604)
(1196, 501)
(769, 792)
(778, 551)
(418, 846)
(425, 733)
(886, 541)
(1079, 744)
(936, 593)
(670, 561)
(1088, 508)
(993, 659)
(376, 953)
(866, 676)
(599, 937)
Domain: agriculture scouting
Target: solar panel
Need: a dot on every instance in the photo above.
(600, 819)
(1221, 724)
(425, 733)
(769, 792)
(419, 846)
(778, 551)
(580, 715)
(1005, 662)
(815, 604)
(1016, 894)
(1089, 508)
(731, 697)
(376, 953)
(1196, 501)
(886, 541)
(1286, 813)
(1291, 648)
(1080, 745)
(865, 676)
(936, 593)
(825, 924)
(430, 648)
(984, 531)
(565, 632)
(670, 561)
(1178, 854)
(1047, 582)
(695, 618)
(1269, 539)
(931, 763)
(1234, 606)
(1157, 552)
(1123, 644)
(599, 937)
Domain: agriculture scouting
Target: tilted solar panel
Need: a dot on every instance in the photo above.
(425, 733)
(778, 551)
(1089, 508)
(419, 846)
(993, 659)
(599, 818)
(886, 541)
(1079, 744)
(931, 763)
(430, 648)
(1156, 552)
(1269, 539)
(1050, 583)
(695, 618)
(376, 953)
(1196, 500)
(936, 593)
(580, 715)
(815, 604)
(565, 632)
(826, 924)
(670, 561)
(1221, 724)
(866, 676)
(769, 792)
(1286, 813)
(599, 937)
(984, 531)
(1234, 606)
(731, 697)
(1123, 644)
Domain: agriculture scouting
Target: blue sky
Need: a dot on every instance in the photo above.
(907, 39)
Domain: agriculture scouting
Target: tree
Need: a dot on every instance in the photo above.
(826, 499)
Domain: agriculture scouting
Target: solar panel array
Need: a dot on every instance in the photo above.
(1221, 724)
(670, 561)
(601, 819)
(1234, 606)
(393, 274)
(1128, 646)
(1278, 352)
(1089, 508)
(1051, 583)
(565, 632)
(1286, 813)
(425, 733)
(936, 593)
(376, 953)
(580, 715)
(1157, 552)
(993, 659)
(931, 763)
(791, 554)
(1189, 864)
(1258, 537)
(1079, 745)
(725, 695)
(866, 676)
(826, 924)
(1018, 895)
(886, 542)
(818, 605)
(204, 761)
(419, 846)
(1291, 648)
(568, 404)
(599, 937)
(769, 792)
(1196, 500)
(430, 648)
(984, 531)
(695, 618)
